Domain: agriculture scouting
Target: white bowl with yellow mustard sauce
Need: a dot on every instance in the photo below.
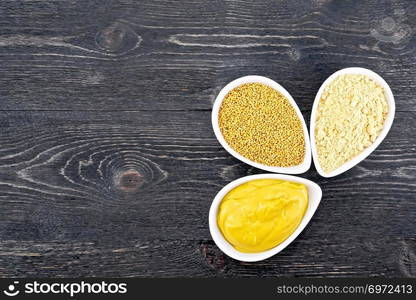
(295, 169)
(223, 240)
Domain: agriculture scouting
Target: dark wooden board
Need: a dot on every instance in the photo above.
(62, 184)
(108, 163)
(147, 55)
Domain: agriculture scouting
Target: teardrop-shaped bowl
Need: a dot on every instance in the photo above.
(298, 169)
(387, 123)
(314, 198)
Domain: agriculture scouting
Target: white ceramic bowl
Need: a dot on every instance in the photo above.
(314, 194)
(301, 168)
(387, 124)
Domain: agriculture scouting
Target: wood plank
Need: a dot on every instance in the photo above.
(129, 55)
(186, 258)
(108, 163)
(128, 194)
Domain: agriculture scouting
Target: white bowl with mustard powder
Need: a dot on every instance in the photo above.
(258, 122)
(352, 113)
(255, 217)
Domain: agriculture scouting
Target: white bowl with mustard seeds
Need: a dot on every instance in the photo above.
(352, 113)
(258, 122)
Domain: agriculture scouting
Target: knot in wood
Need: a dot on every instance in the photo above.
(117, 37)
(129, 181)
(213, 256)
(111, 38)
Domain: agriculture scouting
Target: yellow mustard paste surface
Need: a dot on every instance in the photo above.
(260, 214)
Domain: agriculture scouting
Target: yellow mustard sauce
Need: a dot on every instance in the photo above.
(260, 214)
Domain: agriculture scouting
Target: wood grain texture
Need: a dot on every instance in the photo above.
(108, 163)
(61, 184)
(177, 55)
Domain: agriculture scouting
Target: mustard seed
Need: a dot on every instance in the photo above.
(259, 123)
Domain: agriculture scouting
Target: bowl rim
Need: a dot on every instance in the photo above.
(314, 198)
(298, 169)
(387, 123)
